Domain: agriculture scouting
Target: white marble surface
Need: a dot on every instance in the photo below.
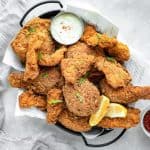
(133, 19)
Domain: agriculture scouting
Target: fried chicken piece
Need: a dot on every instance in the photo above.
(15, 80)
(82, 98)
(125, 95)
(132, 119)
(115, 74)
(81, 124)
(31, 68)
(53, 59)
(78, 49)
(73, 68)
(120, 52)
(114, 48)
(47, 79)
(93, 38)
(55, 105)
(74, 123)
(33, 27)
(28, 99)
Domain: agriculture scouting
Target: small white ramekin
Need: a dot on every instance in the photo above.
(142, 118)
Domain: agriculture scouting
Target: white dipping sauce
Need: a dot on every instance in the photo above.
(67, 28)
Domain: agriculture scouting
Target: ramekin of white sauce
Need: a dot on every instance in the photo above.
(67, 28)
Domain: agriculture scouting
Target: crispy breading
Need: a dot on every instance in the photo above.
(28, 99)
(81, 124)
(15, 80)
(90, 36)
(115, 74)
(125, 95)
(120, 52)
(78, 49)
(113, 47)
(47, 79)
(31, 68)
(82, 98)
(53, 59)
(33, 27)
(54, 110)
(74, 123)
(73, 68)
(93, 38)
(132, 119)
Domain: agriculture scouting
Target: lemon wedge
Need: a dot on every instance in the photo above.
(101, 112)
(116, 111)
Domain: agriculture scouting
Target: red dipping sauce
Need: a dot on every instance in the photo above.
(146, 121)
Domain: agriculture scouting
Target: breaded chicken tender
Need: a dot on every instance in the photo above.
(115, 74)
(132, 119)
(47, 79)
(125, 95)
(28, 99)
(78, 49)
(53, 59)
(74, 123)
(36, 26)
(81, 124)
(93, 38)
(15, 80)
(55, 105)
(82, 98)
(31, 68)
(73, 68)
(114, 48)
(120, 52)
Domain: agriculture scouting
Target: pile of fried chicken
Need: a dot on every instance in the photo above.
(67, 81)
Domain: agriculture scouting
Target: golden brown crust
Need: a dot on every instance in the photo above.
(47, 79)
(132, 119)
(128, 94)
(35, 26)
(120, 52)
(54, 110)
(93, 38)
(53, 59)
(73, 68)
(28, 99)
(74, 123)
(115, 74)
(82, 99)
(15, 79)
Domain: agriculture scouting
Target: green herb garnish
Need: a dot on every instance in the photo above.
(54, 101)
(44, 75)
(87, 74)
(79, 97)
(111, 59)
(98, 35)
(39, 55)
(31, 29)
(83, 79)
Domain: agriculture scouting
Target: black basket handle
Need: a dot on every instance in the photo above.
(104, 144)
(39, 4)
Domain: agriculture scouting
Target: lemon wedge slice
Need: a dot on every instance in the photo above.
(116, 111)
(101, 112)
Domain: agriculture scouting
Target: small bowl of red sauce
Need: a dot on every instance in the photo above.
(145, 121)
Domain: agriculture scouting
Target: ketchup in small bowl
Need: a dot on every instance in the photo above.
(146, 121)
